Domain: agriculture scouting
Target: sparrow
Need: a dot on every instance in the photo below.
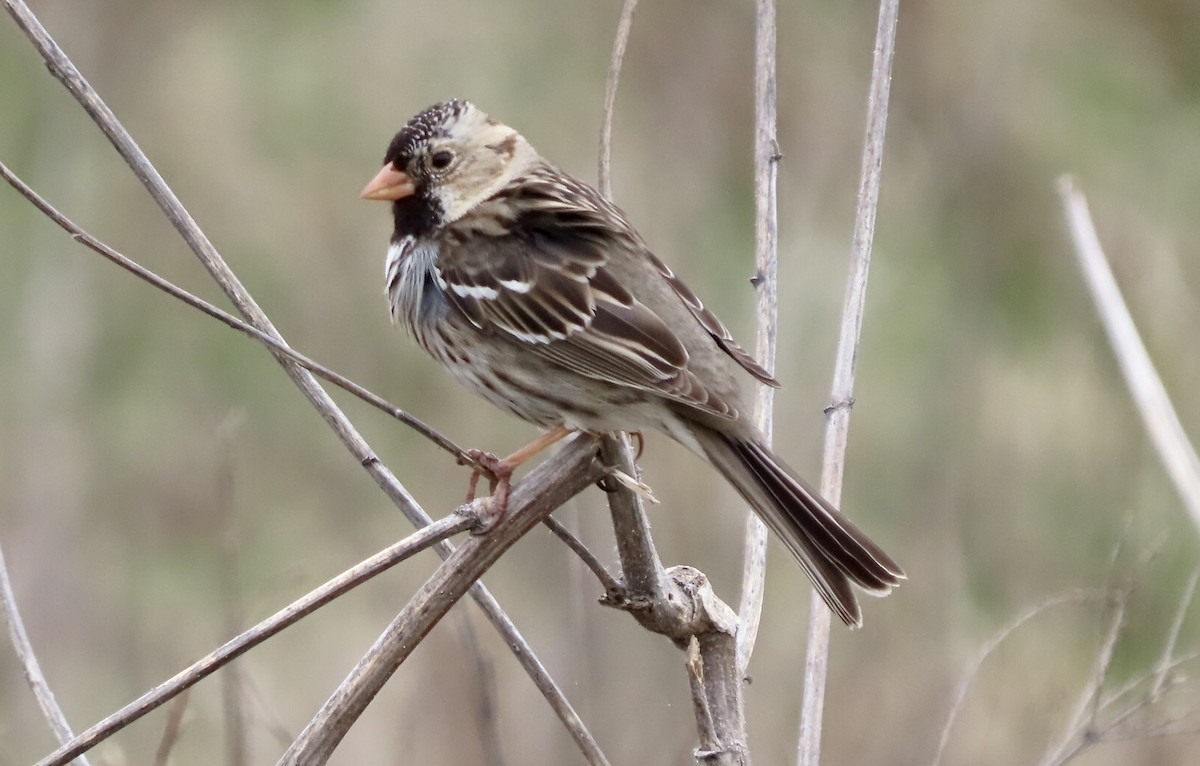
(535, 292)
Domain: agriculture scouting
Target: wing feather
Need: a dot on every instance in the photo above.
(545, 282)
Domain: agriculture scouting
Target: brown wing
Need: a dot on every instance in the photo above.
(540, 275)
(715, 327)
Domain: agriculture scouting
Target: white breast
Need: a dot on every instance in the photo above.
(414, 299)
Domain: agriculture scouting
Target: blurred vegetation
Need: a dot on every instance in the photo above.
(994, 450)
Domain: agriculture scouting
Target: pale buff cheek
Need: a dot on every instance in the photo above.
(475, 181)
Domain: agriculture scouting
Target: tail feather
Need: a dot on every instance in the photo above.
(832, 551)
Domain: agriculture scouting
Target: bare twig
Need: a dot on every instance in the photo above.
(1167, 658)
(1085, 728)
(837, 425)
(1117, 727)
(766, 283)
(273, 343)
(172, 730)
(611, 587)
(1149, 679)
(1082, 726)
(30, 665)
(1154, 404)
(972, 669)
(65, 71)
(641, 570)
(610, 95)
(1084, 733)
(351, 578)
(679, 603)
(547, 487)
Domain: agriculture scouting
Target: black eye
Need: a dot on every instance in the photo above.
(441, 160)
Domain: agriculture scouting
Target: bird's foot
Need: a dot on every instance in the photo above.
(481, 463)
(499, 473)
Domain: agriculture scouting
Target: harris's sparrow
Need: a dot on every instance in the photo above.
(536, 293)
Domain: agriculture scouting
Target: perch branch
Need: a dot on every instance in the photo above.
(549, 485)
(678, 603)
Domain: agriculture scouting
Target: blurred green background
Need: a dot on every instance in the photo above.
(161, 481)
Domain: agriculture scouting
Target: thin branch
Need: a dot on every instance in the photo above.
(641, 570)
(549, 485)
(1082, 735)
(65, 71)
(1167, 658)
(276, 345)
(1130, 686)
(837, 424)
(30, 665)
(1115, 727)
(351, 578)
(766, 284)
(1149, 394)
(1087, 709)
(972, 669)
(611, 586)
(679, 603)
(610, 95)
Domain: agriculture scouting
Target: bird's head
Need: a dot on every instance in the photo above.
(446, 161)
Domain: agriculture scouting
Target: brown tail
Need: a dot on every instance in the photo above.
(832, 551)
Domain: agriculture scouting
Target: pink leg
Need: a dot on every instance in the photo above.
(502, 471)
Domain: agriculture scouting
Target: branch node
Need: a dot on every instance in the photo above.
(477, 511)
(844, 404)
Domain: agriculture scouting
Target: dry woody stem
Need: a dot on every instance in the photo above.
(550, 485)
(766, 287)
(837, 426)
(30, 665)
(1176, 451)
